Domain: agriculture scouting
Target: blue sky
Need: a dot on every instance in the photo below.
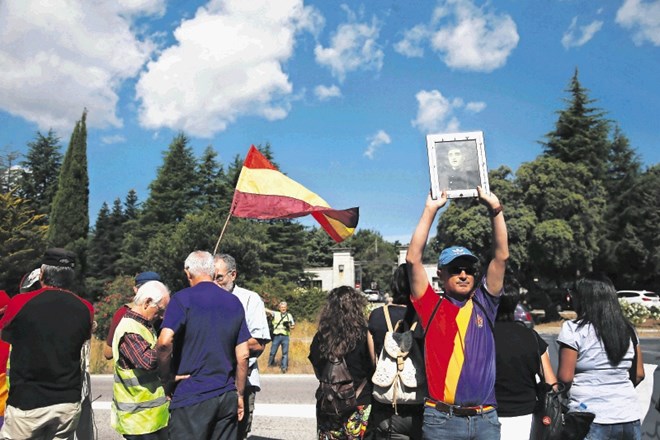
(345, 92)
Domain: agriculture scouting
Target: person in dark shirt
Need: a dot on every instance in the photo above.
(47, 329)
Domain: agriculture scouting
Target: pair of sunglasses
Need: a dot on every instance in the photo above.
(456, 270)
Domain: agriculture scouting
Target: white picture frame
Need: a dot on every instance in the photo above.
(457, 164)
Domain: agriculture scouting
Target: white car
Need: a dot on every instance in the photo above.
(644, 297)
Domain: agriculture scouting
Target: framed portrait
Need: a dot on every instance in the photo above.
(457, 164)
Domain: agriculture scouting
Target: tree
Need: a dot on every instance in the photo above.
(69, 215)
(375, 256)
(285, 251)
(581, 133)
(214, 191)
(319, 248)
(131, 207)
(40, 171)
(9, 174)
(22, 240)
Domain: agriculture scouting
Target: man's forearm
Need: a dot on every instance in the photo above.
(256, 347)
(242, 354)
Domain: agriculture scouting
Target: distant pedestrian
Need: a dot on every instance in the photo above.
(46, 329)
(204, 335)
(600, 361)
(283, 323)
(140, 409)
(342, 335)
(255, 316)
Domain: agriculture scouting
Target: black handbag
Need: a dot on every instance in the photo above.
(551, 419)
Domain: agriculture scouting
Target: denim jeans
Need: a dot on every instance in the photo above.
(616, 431)
(439, 425)
(278, 340)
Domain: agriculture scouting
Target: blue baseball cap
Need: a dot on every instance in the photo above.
(143, 277)
(453, 252)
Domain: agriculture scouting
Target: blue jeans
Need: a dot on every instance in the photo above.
(440, 425)
(616, 431)
(278, 340)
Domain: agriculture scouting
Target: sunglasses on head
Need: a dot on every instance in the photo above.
(456, 270)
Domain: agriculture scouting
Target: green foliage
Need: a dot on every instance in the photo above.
(634, 312)
(376, 258)
(22, 240)
(40, 171)
(319, 248)
(117, 293)
(69, 217)
(303, 303)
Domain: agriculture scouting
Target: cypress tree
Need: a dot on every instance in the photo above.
(69, 215)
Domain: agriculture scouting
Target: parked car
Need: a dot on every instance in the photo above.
(374, 295)
(644, 297)
(522, 314)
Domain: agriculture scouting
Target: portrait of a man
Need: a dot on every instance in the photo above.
(454, 161)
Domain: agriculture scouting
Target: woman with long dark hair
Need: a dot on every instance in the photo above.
(342, 334)
(406, 421)
(601, 361)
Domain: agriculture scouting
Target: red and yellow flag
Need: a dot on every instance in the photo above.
(263, 192)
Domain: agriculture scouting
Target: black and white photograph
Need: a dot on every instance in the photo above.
(457, 164)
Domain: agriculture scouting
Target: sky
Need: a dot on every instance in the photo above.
(345, 92)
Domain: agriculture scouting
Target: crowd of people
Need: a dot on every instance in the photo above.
(186, 363)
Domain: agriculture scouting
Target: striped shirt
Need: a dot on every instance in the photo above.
(134, 351)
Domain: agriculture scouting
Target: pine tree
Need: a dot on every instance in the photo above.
(40, 171)
(213, 192)
(581, 133)
(131, 207)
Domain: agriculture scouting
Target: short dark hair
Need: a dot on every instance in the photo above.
(57, 276)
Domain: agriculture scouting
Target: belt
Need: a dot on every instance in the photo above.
(458, 410)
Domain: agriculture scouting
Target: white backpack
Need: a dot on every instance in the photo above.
(399, 377)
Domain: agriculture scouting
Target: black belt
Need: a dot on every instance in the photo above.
(458, 410)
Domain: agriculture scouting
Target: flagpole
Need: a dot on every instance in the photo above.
(222, 233)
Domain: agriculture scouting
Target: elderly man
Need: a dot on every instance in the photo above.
(460, 349)
(140, 409)
(283, 323)
(46, 329)
(255, 315)
(208, 325)
(140, 279)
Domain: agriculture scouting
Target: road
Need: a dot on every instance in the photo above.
(285, 407)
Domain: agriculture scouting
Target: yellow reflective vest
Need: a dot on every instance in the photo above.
(139, 405)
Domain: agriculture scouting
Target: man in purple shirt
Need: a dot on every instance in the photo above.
(204, 335)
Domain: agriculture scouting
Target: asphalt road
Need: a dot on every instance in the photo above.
(285, 406)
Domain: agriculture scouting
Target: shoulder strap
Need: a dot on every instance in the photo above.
(483, 309)
(435, 309)
(388, 320)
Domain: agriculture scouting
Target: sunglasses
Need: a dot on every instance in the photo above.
(456, 270)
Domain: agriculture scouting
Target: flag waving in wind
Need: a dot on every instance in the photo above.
(263, 192)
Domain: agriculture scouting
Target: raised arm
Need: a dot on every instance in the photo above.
(418, 279)
(497, 265)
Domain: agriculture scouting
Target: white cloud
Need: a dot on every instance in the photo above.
(579, 36)
(353, 47)
(411, 44)
(227, 63)
(643, 18)
(323, 93)
(375, 142)
(475, 106)
(142, 7)
(472, 38)
(436, 113)
(113, 139)
(61, 56)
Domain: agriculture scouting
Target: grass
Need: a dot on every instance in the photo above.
(301, 338)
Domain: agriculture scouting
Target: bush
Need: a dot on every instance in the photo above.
(303, 303)
(636, 313)
(120, 292)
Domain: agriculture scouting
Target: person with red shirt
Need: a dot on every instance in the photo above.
(46, 329)
(460, 349)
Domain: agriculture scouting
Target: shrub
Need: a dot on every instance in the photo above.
(119, 292)
(635, 313)
(303, 303)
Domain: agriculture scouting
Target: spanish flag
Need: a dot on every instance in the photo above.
(263, 192)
